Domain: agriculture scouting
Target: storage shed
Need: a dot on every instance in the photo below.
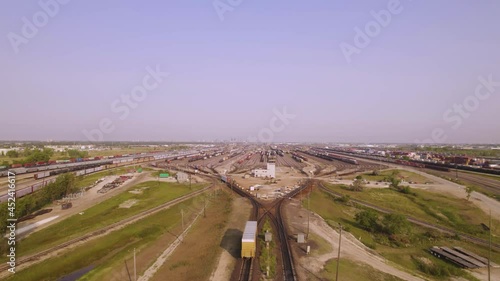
(248, 241)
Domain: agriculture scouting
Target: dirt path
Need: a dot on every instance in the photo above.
(351, 247)
(150, 272)
(482, 201)
(441, 185)
(231, 240)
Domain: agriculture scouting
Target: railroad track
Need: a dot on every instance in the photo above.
(110, 228)
(245, 270)
(489, 184)
(273, 212)
(464, 236)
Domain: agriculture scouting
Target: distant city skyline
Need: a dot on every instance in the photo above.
(365, 72)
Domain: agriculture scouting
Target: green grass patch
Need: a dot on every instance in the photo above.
(351, 270)
(319, 245)
(385, 174)
(435, 208)
(103, 214)
(267, 254)
(108, 249)
(403, 256)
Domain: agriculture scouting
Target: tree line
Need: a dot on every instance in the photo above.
(64, 184)
(33, 155)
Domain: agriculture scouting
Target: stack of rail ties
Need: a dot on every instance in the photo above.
(459, 256)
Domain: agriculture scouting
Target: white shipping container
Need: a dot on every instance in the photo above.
(250, 232)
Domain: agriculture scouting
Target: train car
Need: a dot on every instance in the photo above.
(439, 168)
(41, 175)
(23, 192)
(16, 166)
(249, 240)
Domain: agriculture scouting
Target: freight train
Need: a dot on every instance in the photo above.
(39, 185)
(330, 156)
(81, 170)
(299, 158)
(427, 164)
(82, 163)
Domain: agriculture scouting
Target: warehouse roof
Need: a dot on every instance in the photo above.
(250, 232)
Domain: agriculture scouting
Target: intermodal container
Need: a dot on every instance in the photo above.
(248, 241)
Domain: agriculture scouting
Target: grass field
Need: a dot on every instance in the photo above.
(110, 249)
(402, 174)
(196, 257)
(350, 270)
(422, 239)
(103, 214)
(319, 245)
(434, 208)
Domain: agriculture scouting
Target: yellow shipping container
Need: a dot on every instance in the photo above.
(248, 241)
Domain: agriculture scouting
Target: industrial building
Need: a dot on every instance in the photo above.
(182, 177)
(248, 241)
(270, 172)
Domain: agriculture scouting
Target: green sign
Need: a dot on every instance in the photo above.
(139, 170)
(164, 175)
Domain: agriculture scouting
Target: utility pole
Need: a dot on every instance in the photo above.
(456, 171)
(308, 213)
(489, 252)
(204, 208)
(338, 255)
(135, 268)
(182, 219)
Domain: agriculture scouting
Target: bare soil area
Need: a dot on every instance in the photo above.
(312, 265)
(231, 242)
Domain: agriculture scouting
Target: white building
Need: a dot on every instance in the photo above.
(5, 150)
(182, 177)
(270, 172)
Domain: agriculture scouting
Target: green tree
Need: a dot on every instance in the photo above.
(396, 224)
(73, 153)
(12, 154)
(357, 184)
(38, 155)
(368, 219)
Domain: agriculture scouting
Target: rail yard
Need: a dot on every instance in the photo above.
(273, 241)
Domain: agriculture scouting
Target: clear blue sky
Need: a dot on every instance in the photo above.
(226, 77)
